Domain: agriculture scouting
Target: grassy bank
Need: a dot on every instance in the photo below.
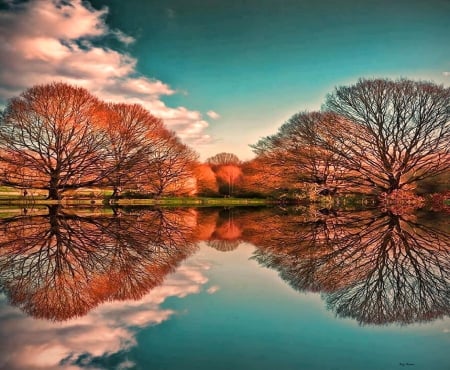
(194, 201)
(88, 197)
(33, 201)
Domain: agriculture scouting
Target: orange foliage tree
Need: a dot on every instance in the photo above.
(168, 168)
(206, 179)
(297, 154)
(50, 138)
(59, 137)
(51, 265)
(129, 131)
(227, 168)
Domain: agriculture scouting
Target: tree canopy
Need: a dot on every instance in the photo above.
(393, 133)
(377, 134)
(58, 137)
(50, 138)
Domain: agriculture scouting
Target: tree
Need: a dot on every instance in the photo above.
(51, 134)
(229, 175)
(51, 265)
(169, 165)
(297, 153)
(206, 179)
(393, 133)
(129, 130)
(223, 158)
(226, 166)
(375, 268)
(257, 180)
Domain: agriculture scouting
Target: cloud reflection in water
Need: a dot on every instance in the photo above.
(107, 330)
(103, 272)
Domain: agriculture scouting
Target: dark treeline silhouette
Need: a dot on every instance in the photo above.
(377, 136)
(376, 268)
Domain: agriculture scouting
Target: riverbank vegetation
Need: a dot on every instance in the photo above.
(378, 138)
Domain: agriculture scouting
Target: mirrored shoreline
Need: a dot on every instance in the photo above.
(373, 267)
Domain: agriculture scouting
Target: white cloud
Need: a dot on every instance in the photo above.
(213, 114)
(43, 41)
(446, 74)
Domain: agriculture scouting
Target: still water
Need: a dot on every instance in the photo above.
(224, 289)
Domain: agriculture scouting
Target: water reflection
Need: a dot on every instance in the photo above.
(227, 232)
(374, 268)
(62, 264)
(103, 335)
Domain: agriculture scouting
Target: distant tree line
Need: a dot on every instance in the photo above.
(376, 136)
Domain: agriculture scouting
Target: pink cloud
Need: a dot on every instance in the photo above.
(213, 115)
(43, 41)
(109, 329)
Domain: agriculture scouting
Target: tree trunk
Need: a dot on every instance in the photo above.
(53, 190)
(116, 192)
(53, 212)
(394, 184)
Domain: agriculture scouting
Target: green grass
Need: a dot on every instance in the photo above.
(192, 201)
(7, 189)
(97, 197)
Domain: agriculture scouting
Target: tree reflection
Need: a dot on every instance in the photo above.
(227, 232)
(220, 228)
(62, 264)
(377, 269)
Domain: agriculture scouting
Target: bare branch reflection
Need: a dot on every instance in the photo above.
(61, 264)
(377, 269)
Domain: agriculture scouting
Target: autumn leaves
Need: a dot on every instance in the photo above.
(375, 136)
(60, 137)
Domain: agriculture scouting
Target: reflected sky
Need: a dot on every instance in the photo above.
(151, 288)
(107, 330)
(375, 268)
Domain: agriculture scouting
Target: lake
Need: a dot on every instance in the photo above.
(215, 288)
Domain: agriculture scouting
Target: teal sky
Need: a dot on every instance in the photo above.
(257, 62)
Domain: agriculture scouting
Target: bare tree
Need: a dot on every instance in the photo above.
(51, 134)
(51, 265)
(222, 159)
(297, 153)
(169, 166)
(393, 133)
(375, 268)
(129, 130)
